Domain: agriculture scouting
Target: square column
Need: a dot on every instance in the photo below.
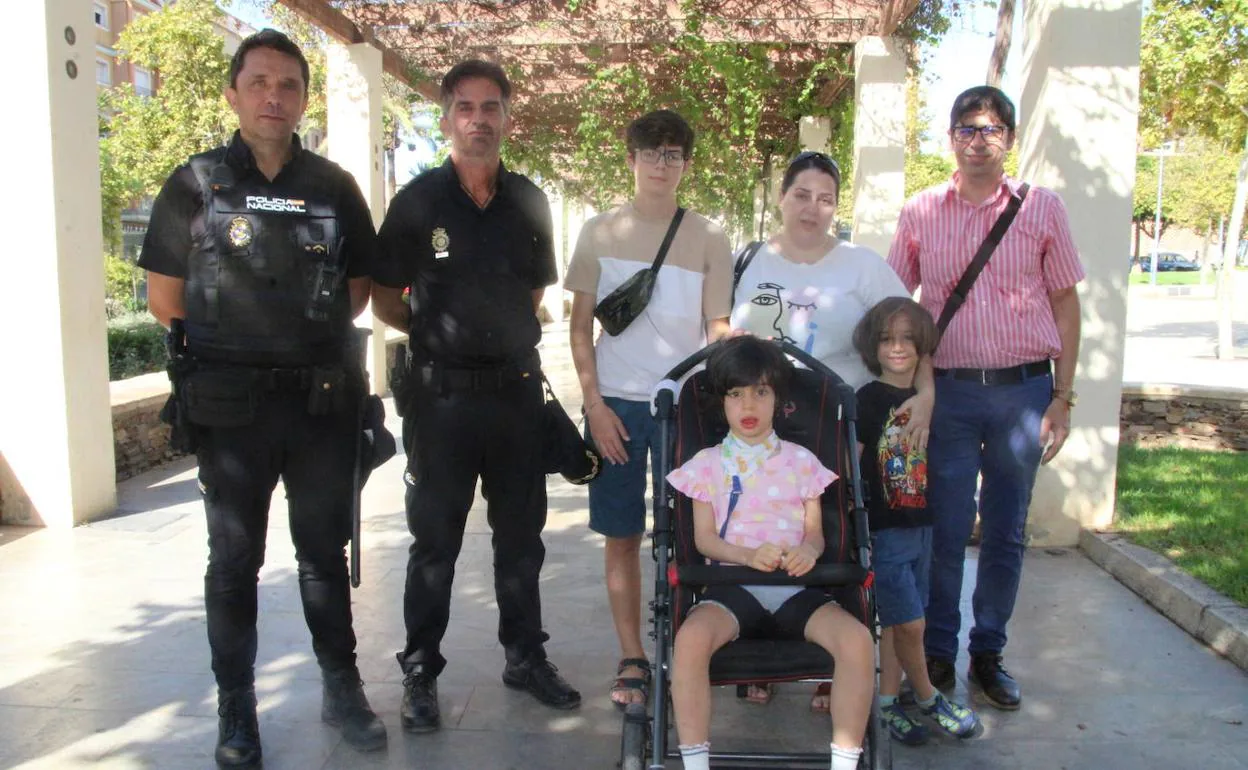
(1077, 137)
(56, 446)
(879, 140)
(353, 105)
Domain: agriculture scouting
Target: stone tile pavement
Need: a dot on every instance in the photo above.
(104, 659)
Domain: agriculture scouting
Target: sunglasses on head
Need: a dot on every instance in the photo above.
(820, 160)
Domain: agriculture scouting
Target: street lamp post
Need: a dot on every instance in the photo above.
(1166, 149)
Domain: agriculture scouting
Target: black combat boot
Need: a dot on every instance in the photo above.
(344, 706)
(238, 733)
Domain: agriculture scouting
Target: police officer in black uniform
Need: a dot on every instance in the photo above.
(473, 242)
(264, 249)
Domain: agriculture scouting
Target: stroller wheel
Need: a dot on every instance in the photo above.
(633, 742)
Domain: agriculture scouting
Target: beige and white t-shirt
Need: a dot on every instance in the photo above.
(694, 284)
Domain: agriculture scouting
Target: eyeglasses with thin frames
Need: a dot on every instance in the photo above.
(993, 134)
(669, 157)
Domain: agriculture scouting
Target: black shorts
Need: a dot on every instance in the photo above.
(755, 622)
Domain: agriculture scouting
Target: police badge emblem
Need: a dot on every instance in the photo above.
(441, 243)
(239, 232)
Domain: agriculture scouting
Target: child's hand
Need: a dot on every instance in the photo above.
(799, 560)
(766, 557)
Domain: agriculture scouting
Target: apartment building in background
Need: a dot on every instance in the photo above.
(111, 70)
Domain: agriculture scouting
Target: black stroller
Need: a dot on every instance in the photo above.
(819, 414)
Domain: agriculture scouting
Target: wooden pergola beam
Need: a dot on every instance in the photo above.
(345, 31)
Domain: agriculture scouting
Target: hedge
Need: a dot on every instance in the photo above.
(136, 345)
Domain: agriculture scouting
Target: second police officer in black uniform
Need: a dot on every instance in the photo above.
(473, 242)
(264, 249)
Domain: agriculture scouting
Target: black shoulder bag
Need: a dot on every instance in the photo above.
(743, 261)
(958, 297)
(622, 306)
(564, 449)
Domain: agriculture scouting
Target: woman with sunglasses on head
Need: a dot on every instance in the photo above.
(809, 287)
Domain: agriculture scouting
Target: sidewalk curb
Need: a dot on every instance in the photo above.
(1193, 606)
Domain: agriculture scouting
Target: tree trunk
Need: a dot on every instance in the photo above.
(1230, 250)
(1001, 42)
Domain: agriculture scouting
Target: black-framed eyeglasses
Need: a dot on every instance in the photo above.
(669, 157)
(990, 133)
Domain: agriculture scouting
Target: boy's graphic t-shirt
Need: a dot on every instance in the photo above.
(896, 472)
(771, 506)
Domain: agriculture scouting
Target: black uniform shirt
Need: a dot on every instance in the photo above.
(896, 478)
(178, 212)
(472, 270)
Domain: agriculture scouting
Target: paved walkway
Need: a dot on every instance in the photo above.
(104, 660)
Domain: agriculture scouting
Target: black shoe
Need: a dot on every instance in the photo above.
(541, 679)
(344, 706)
(419, 711)
(238, 732)
(998, 686)
(941, 672)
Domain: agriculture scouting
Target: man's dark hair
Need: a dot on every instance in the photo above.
(272, 39)
(474, 68)
(876, 323)
(744, 361)
(808, 160)
(983, 99)
(657, 129)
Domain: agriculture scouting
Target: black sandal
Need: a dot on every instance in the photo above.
(628, 683)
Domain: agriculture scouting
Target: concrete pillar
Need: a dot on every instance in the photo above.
(552, 300)
(353, 104)
(56, 444)
(1078, 137)
(879, 140)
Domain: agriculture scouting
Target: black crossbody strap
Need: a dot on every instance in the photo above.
(743, 261)
(960, 292)
(667, 241)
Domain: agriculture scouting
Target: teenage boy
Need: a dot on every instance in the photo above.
(689, 307)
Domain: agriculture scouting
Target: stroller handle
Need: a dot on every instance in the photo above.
(665, 394)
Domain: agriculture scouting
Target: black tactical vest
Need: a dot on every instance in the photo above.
(266, 280)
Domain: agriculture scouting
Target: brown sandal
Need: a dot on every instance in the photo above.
(820, 701)
(631, 683)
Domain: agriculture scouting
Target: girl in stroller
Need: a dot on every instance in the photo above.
(756, 502)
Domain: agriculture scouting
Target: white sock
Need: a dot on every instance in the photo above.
(845, 759)
(697, 756)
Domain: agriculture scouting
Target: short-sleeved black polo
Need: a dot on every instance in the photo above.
(472, 270)
(177, 220)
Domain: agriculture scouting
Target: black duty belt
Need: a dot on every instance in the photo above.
(286, 379)
(445, 379)
(1011, 375)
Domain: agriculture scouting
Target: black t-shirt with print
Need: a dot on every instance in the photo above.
(896, 477)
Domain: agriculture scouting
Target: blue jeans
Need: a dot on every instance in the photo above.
(617, 498)
(994, 431)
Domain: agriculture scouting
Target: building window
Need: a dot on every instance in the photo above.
(142, 81)
(101, 15)
(103, 72)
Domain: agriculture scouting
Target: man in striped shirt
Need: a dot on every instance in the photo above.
(1004, 374)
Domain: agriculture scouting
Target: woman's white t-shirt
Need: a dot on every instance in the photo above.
(815, 306)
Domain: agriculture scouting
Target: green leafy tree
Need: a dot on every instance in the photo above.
(143, 138)
(923, 169)
(1194, 81)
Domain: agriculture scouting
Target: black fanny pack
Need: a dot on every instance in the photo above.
(621, 307)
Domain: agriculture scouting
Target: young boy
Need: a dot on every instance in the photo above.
(689, 306)
(891, 338)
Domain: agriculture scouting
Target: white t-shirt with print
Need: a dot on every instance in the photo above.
(816, 306)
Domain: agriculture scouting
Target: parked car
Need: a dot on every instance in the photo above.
(1167, 262)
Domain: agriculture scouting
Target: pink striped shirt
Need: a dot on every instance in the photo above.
(1007, 319)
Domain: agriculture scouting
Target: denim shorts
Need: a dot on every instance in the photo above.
(617, 498)
(902, 559)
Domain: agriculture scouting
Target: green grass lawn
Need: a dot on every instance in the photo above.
(1171, 279)
(1192, 507)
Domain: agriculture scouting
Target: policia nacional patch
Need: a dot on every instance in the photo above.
(441, 243)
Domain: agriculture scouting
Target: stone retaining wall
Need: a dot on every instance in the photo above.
(1187, 416)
